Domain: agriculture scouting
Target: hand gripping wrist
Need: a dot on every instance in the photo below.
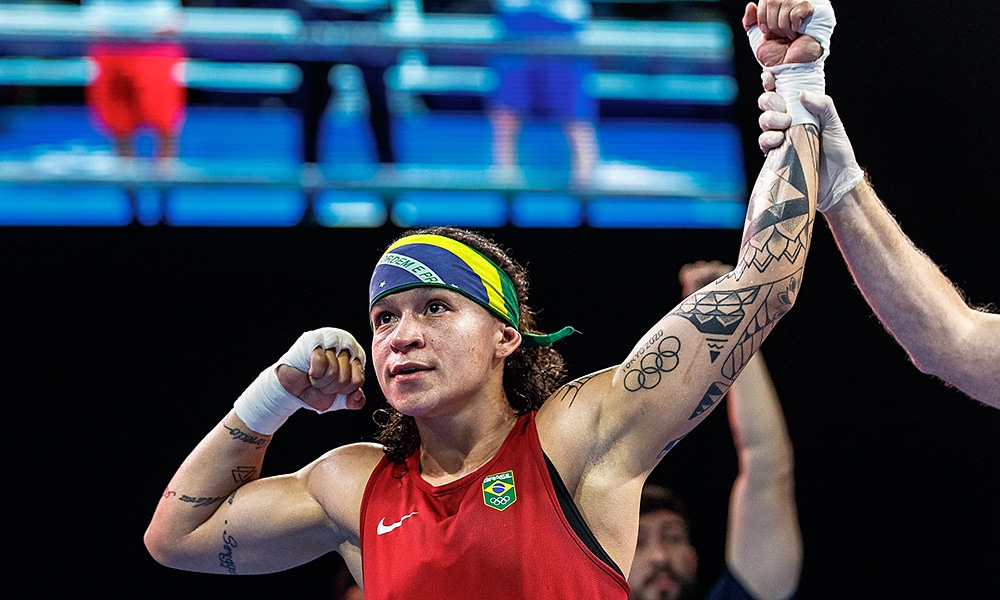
(791, 78)
(839, 171)
(265, 404)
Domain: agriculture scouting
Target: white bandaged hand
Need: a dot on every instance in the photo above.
(266, 404)
(792, 78)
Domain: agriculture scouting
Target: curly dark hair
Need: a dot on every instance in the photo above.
(530, 374)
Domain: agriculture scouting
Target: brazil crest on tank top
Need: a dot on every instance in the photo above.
(509, 530)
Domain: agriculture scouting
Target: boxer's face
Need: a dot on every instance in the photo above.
(434, 350)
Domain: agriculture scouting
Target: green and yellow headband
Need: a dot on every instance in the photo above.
(439, 261)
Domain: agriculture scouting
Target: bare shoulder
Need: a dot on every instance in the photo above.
(568, 419)
(338, 479)
(575, 400)
(572, 434)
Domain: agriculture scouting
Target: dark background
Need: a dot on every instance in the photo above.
(125, 345)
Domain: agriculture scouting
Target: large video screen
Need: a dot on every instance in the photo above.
(358, 113)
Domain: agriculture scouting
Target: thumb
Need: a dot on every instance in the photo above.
(818, 104)
(356, 400)
(749, 16)
(293, 380)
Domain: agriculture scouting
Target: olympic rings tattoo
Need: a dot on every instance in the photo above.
(647, 376)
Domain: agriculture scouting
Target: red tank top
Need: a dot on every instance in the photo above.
(501, 531)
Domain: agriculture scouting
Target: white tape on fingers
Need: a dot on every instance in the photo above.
(820, 24)
(328, 338)
(265, 405)
(791, 79)
(342, 340)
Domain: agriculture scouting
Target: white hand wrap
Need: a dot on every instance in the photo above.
(265, 404)
(792, 78)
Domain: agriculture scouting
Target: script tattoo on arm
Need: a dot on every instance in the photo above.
(226, 560)
(247, 437)
(200, 501)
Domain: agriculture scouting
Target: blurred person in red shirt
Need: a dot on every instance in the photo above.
(139, 80)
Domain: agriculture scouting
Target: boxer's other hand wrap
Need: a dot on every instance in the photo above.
(790, 79)
(265, 404)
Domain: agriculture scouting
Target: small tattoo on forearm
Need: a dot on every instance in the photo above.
(201, 501)
(239, 435)
(226, 560)
(244, 474)
(167, 493)
(715, 347)
(232, 497)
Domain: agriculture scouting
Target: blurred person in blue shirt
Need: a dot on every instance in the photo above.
(544, 85)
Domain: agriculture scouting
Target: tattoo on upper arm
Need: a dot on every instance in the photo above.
(669, 447)
(715, 393)
(644, 370)
(717, 314)
(571, 389)
(226, 560)
(244, 474)
(248, 437)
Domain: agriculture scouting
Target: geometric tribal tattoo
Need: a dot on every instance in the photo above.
(719, 314)
(780, 225)
(776, 230)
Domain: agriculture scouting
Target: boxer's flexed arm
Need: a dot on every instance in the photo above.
(216, 514)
